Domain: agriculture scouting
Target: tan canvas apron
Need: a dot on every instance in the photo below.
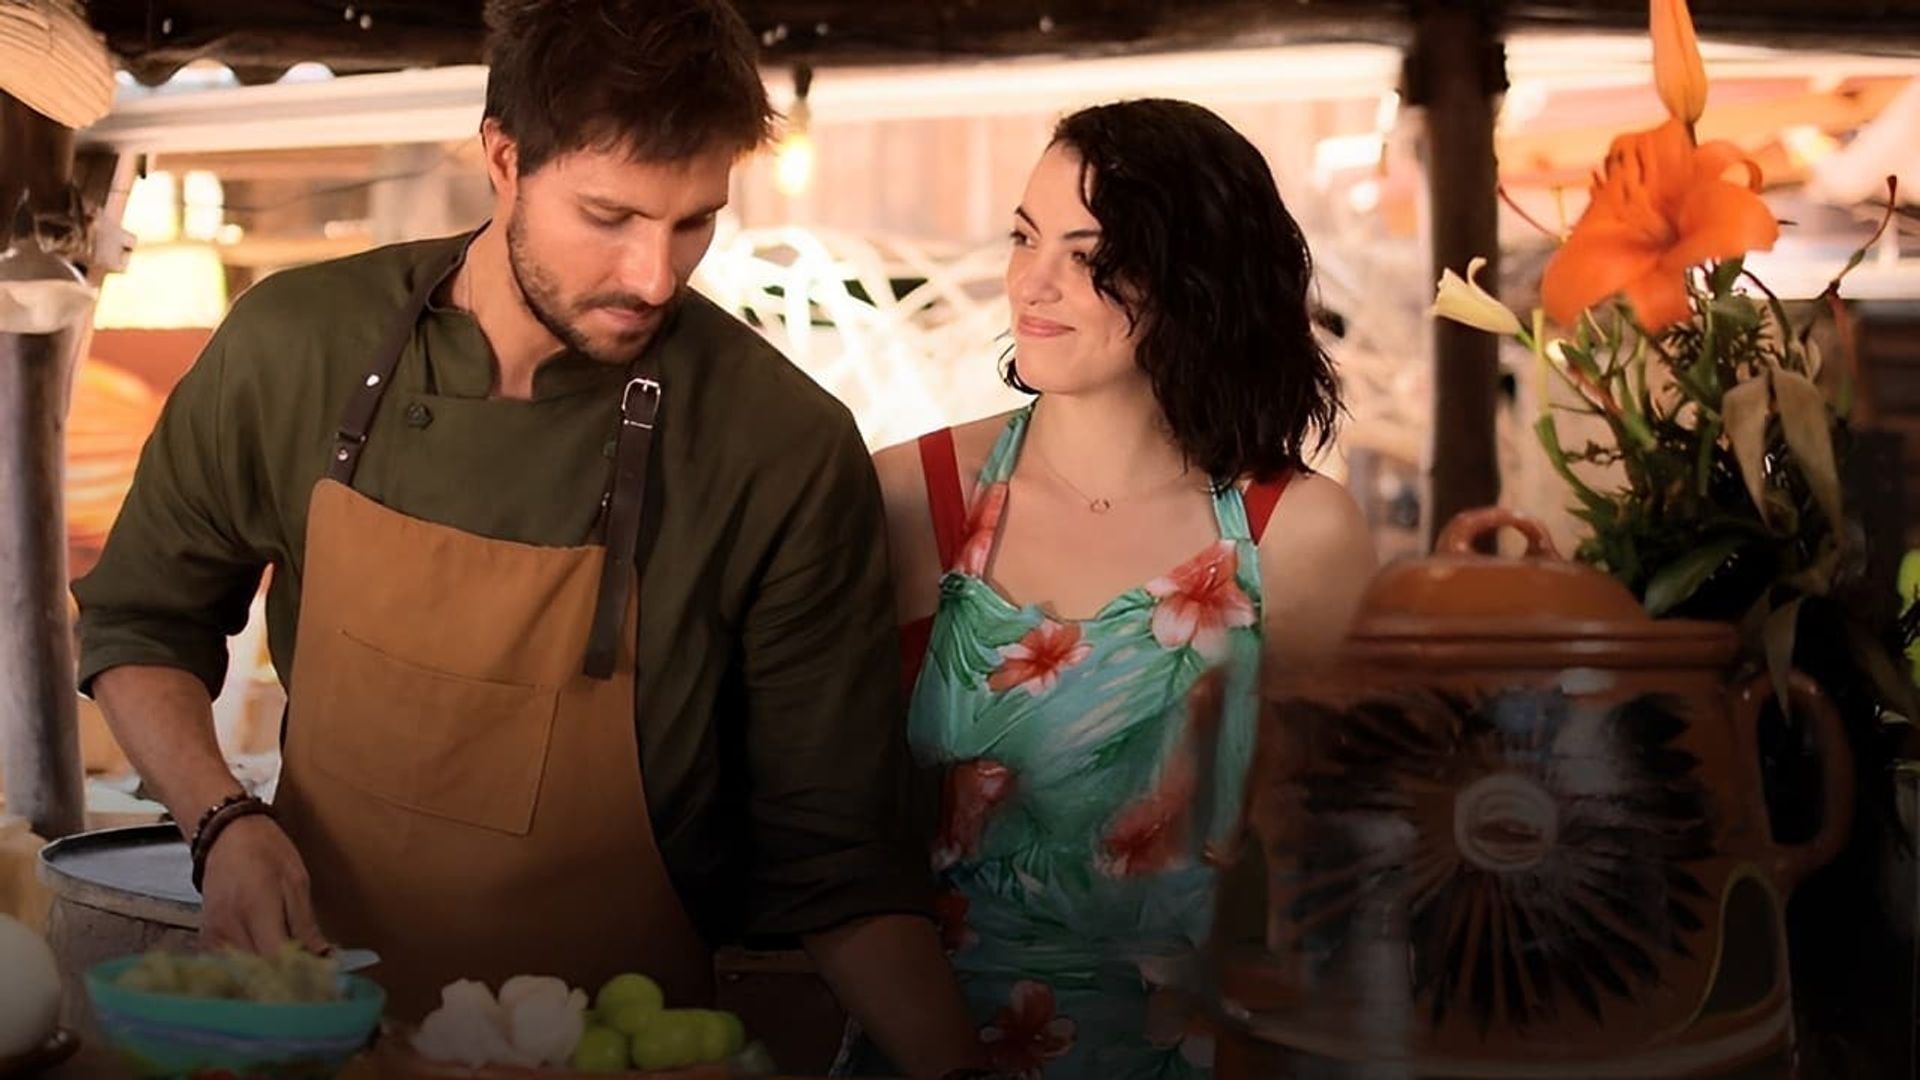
(468, 803)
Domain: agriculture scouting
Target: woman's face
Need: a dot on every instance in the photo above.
(1068, 338)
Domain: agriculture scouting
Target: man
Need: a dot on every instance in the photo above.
(502, 755)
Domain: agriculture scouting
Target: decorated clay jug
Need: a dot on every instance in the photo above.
(1515, 830)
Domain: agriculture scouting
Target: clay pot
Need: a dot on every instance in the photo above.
(1516, 829)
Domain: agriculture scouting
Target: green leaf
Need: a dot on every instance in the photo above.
(1683, 577)
(966, 645)
(1781, 628)
(1806, 423)
(1703, 459)
(1580, 359)
(1743, 411)
(1736, 312)
(1725, 273)
(1816, 579)
(1549, 436)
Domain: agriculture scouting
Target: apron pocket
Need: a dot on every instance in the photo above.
(441, 744)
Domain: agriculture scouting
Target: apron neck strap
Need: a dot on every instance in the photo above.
(357, 420)
(626, 491)
(626, 501)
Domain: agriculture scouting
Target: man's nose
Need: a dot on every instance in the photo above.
(646, 269)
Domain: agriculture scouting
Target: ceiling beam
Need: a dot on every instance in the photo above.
(262, 38)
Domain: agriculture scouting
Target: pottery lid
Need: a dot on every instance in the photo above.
(1460, 593)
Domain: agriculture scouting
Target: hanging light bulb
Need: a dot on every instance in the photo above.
(793, 158)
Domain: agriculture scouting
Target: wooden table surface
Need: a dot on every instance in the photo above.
(95, 1060)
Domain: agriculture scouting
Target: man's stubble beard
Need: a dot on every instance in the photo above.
(541, 297)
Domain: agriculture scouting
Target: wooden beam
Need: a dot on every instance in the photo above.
(262, 38)
(39, 730)
(1455, 73)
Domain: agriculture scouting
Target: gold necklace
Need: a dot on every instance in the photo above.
(1095, 503)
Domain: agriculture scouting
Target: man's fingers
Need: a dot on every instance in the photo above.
(266, 921)
(301, 922)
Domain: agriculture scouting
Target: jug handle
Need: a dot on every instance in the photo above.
(1468, 526)
(1793, 862)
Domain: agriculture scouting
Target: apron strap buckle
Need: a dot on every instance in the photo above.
(649, 390)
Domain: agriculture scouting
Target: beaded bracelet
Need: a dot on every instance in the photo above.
(193, 838)
(214, 822)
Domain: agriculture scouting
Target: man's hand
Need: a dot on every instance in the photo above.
(255, 894)
(253, 889)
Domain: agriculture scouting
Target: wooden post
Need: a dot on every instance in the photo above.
(39, 734)
(1455, 72)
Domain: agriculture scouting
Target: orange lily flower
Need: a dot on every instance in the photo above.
(1678, 72)
(1661, 206)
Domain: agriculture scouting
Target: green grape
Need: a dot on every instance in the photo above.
(671, 1040)
(721, 1033)
(600, 1050)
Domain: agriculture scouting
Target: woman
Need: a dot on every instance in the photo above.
(1068, 572)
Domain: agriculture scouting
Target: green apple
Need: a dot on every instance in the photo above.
(600, 1050)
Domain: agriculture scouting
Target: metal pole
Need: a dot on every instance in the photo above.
(1456, 72)
(39, 732)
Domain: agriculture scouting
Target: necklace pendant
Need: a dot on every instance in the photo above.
(1100, 506)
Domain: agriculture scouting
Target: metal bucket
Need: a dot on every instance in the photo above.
(115, 892)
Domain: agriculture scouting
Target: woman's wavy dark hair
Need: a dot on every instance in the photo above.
(1199, 250)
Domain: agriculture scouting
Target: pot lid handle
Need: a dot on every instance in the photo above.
(1470, 525)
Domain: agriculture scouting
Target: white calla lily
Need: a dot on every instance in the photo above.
(1464, 301)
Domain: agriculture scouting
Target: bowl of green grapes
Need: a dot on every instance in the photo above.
(288, 1016)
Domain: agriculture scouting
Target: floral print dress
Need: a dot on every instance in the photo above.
(1078, 795)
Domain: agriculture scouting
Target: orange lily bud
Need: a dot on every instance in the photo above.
(1678, 72)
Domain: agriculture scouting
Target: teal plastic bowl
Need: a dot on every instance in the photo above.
(171, 1035)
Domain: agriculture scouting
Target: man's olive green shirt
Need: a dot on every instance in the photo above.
(768, 709)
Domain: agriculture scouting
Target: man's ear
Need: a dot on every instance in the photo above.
(502, 155)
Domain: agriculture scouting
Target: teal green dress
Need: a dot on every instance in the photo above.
(1080, 797)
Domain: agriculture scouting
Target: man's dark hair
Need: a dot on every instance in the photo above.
(1199, 250)
(663, 80)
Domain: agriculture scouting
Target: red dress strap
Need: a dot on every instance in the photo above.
(944, 497)
(1260, 498)
(948, 505)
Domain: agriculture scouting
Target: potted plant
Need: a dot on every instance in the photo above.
(1726, 443)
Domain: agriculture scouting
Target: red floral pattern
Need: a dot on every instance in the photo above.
(1034, 663)
(950, 912)
(973, 789)
(1150, 834)
(1028, 1033)
(982, 524)
(1200, 601)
